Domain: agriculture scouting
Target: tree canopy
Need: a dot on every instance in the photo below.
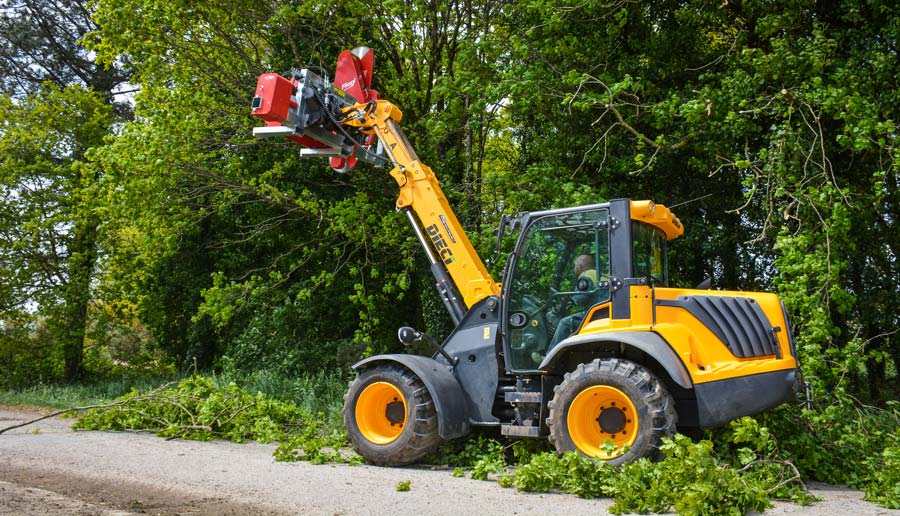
(770, 126)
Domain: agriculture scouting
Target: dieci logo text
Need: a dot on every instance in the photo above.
(440, 244)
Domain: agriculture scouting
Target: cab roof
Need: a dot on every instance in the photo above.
(657, 216)
(645, 211)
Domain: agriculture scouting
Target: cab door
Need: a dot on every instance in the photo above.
(544, 295)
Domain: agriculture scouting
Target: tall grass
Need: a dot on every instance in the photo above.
(320, 393)
(78, 395)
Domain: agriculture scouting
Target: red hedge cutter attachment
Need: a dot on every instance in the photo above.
(308, 109)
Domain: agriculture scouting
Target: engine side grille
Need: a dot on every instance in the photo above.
(738, 322)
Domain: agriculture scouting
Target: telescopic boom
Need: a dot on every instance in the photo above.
(326, 120)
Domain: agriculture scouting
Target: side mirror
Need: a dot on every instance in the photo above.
(408, 336)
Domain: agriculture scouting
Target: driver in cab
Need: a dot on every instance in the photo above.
(586, 282)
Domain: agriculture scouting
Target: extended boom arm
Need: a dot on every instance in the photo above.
(444, 240)
(327, 120)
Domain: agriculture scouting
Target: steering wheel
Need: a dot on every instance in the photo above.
(542, 308)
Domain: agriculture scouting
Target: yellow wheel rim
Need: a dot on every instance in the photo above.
(599, 413)
(381, 413)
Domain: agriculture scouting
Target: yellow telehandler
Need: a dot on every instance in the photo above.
(582, 342)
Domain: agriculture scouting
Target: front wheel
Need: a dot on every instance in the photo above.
(390, 416)
(611, 400)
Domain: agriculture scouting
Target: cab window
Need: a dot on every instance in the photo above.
(649, 254)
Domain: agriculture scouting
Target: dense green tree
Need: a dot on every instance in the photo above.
(264, 255)
(770, 126)
(47, 225)
(52, 223)
(777, 117)
(40, 41)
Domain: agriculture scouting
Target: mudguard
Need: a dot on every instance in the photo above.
(449, 399)
(648, 342)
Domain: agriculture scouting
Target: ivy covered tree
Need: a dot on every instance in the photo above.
(47, 224)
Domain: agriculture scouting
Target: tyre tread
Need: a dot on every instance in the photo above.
(660, 406)
(418, 439)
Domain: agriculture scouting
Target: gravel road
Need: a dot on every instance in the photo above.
(47, 468)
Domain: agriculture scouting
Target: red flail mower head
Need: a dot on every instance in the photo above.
(307, 109)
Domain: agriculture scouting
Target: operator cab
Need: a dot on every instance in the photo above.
(562, 272)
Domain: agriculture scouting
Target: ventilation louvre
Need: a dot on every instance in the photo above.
(738, 322)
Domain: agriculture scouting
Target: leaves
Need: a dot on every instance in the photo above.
(690, 480)
(841, 442)
(198, 409)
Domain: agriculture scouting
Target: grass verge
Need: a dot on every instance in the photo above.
(78, 395)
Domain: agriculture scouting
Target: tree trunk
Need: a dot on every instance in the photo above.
(77, 296)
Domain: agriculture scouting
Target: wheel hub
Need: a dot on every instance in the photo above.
(381, 413)
(395, 412)
(611, 420)
(598, 414)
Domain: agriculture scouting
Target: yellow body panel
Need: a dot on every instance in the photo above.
(421, 191)
(703, 354)
(658, 216)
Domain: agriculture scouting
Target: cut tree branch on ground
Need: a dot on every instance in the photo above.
(149, 396)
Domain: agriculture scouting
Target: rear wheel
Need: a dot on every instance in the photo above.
(611, 400)
(390, 416)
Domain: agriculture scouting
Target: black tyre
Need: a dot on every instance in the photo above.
(390, 416)
(612, 399)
